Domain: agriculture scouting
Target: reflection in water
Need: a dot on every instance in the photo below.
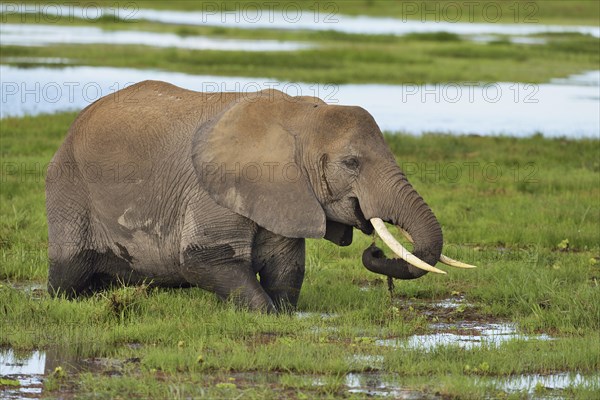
(42, 35)
(568, 108)
(12, 364)
(590, 78)
(531, 383)
(31, 368)
(28, 371)
(375, 384)
(471, 335)
(372, 385)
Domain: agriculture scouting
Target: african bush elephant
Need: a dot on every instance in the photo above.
(181, 188)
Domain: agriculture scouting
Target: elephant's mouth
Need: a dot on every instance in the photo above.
(362, 224)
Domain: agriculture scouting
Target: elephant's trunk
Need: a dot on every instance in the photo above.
(404, 207)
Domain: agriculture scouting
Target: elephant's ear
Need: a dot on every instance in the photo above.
(247, 160)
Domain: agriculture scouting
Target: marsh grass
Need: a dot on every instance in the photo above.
(337, 57)
(406, 61)
(188, 343)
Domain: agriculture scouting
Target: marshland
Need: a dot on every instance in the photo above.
(521, 204)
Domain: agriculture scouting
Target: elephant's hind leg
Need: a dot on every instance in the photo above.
(71, 274)
(231, 278)
(88, 271)
(71, 265)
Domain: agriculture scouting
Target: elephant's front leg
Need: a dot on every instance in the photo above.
(279, 262)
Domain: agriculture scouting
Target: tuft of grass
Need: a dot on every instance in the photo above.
(9, 382)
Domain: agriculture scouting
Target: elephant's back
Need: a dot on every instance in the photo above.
(150, 119)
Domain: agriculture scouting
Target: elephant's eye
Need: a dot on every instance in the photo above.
(351, 163)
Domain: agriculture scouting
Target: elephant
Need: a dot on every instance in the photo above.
(160, 184)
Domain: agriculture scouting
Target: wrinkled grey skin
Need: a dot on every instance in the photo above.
(179, 188)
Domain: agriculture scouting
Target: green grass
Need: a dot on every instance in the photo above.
(412, 59)
(177, 343)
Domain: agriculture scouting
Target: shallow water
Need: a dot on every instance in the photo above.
(31, 368)
(560, 381)
(29, 371)
(511, 39)
(567, 107)
(376, 384)
(42, 35)
(310, 314)
(373, 385)
(324, 18)
(38, 60)
(449, 303)
(468, 335)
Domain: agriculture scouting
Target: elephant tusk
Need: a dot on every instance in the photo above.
(454, 263)
(443, 259)
(397, 248)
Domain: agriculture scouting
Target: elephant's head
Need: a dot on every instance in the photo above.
(304, 169)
